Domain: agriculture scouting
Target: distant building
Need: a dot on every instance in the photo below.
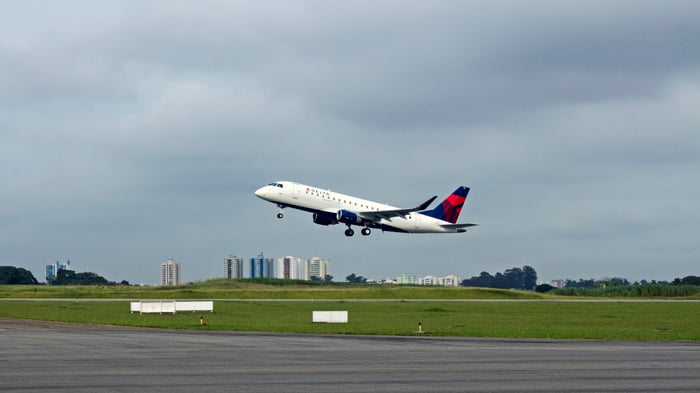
(447, 281)
(452, 281)
(52, 270)
(430, 280)
(261, 267)
(233, 267)
(317, 268)
(558, 283)
(406, 279)
(169, 273)
(290, 268)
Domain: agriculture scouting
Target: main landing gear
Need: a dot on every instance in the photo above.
(365, 231)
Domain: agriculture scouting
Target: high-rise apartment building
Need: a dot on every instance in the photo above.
(233, 267)
(290, 268)
(261, 267)
(52, 270)
(317, 268)
(169, 273)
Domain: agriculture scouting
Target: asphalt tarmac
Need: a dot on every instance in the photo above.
(58, 357)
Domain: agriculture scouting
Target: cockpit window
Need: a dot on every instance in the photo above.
(276, 185)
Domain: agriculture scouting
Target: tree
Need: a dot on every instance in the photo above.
(69, 277)
(499, 281)
(581, 283)
(484, 280)
(529, 278)
(515, 278)
(543, 288)
(687, 280)
(16, 276)
(352, 278)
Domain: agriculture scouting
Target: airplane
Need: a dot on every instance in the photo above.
(331, 208)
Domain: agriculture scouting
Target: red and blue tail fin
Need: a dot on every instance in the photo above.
(450, 208)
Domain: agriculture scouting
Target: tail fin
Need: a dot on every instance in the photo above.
(450, 208)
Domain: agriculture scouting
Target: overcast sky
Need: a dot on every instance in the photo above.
(133, 132)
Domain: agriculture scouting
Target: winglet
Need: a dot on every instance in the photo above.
(425, 204)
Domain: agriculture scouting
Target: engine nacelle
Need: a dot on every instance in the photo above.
(324, 220)
(348, 217)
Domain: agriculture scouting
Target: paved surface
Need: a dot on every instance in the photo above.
(57, 357)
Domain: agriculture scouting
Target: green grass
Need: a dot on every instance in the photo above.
(283, 289)
(561, 320)
(395, 310)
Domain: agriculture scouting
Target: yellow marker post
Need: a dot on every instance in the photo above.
(420, 327)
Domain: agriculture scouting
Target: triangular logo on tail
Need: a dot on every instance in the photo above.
(451, 207)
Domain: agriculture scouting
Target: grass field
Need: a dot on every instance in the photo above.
(587, 320)
(393, 310)
(230, 289)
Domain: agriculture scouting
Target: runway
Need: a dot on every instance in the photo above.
(57, 357)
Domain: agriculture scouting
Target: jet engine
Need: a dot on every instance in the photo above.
(348, 217)
(324, 220)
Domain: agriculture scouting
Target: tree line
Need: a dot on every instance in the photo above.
(16, 276)
(69, 277)
(524, 278)
(621, 287)
(10, 275)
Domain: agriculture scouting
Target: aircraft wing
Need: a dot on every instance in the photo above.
(377, 215)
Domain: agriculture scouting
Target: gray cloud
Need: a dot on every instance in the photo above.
(135, 132)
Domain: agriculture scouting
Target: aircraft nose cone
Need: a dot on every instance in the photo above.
(260, 192)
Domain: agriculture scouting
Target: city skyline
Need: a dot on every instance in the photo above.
(235, 267)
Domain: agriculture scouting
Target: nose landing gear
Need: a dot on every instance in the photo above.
(280, 215)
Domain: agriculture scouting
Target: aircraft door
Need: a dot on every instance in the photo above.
(296, 191)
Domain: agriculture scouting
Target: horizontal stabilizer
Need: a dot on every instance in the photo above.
(458, 226)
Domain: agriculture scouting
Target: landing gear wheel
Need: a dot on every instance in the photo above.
(349, 232)
(366, 231)
(280, 215)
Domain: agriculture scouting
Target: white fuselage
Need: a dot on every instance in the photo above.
(326, 203)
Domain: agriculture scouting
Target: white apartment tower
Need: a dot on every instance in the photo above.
(290, 268)
(169, 273)
(233, 267)
(317, 267)
(452, 281)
